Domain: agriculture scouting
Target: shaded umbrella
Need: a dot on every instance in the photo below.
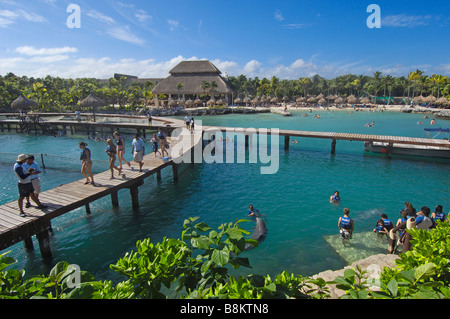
(419, 98)
(320, 96)
(211, 101)
(285, 98)
(172, 102)
(92, 101)
(352, 99)
(339, 100)
(274, 100)
(322, 101)
(219, 102)
(237, 101)
(312, 99)
(198, 102)
(247, 100)
(430, 98)
(189, 102)
(23, 103)
(365, 100)
(442, 100)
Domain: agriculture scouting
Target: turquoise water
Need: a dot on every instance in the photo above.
(295, 200)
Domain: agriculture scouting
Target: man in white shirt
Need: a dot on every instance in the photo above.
(138, 150)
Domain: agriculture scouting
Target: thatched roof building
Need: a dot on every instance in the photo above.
(188, 77)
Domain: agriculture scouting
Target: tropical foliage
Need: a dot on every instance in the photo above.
(196, 266)
(57, 94)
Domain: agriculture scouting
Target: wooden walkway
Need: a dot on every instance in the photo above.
(68, 197)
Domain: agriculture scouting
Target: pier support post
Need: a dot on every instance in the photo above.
(115, 199)
(175, 172)
(286, 142)
(44, 244)
(134, 192)
(389, 150)
(247, 138)
(333, 147)
(158, 175)
(88, 209)
(28, 243)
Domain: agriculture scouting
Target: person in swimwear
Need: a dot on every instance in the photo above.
(335, 199)
(86, 163)
(112, 151)
(346, 225)
(120, 141)
(253, 213)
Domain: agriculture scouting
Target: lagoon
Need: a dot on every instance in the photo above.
(295, 200)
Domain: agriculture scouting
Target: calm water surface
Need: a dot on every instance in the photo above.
(295, 200)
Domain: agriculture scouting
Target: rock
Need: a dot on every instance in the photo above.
(373, 264)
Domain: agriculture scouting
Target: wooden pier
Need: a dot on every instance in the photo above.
(65, 198)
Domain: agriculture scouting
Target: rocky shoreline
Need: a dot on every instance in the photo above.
(373, 265)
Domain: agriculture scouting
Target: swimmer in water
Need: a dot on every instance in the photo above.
(335, 198)
(253, 213)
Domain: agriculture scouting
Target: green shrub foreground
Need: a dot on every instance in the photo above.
(197, 266)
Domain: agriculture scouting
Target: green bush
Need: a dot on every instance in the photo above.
(197, 266)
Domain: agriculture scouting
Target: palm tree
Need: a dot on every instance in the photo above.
(439, 79)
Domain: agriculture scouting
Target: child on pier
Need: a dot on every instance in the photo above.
(111, 151)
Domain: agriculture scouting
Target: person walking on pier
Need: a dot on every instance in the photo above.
(24, 183)
(111, 151)
(120, 141)
(138, 150)
(86, 163)
(162, 141)
(34, 178)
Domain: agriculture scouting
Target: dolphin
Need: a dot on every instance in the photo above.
(259, 234)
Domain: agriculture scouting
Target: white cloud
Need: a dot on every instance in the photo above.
(252, 67)
(173, 24)
(404, 20)
(278, 15)
(63, 63)
(143, 17)
(125, 34)
(8, 17)
(293, 26)
(29, 50)
(100, 17)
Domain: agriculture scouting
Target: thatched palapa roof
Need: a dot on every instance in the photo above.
(192, 74)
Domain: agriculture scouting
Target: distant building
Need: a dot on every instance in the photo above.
(186, 80)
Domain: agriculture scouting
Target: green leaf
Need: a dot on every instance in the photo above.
(220, 257)
(424, 271)
(201, 242)
(393, 287)
(202, 227)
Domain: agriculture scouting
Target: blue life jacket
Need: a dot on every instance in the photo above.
(388, 224)
(346, 222)
(439, 216)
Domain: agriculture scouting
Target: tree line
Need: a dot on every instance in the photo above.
(58, 94)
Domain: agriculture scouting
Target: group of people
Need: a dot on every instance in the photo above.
(409, 217)
(27, 172)
(189, 122)
(116, 150)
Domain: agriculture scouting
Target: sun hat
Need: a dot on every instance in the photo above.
(22, 157)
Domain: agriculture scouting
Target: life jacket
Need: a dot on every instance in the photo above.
(346, 222)
(439, 216)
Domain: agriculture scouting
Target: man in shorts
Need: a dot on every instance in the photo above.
(24, 183)
(138, 150)
(34, 178)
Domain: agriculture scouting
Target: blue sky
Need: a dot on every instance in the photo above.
(287, 39)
